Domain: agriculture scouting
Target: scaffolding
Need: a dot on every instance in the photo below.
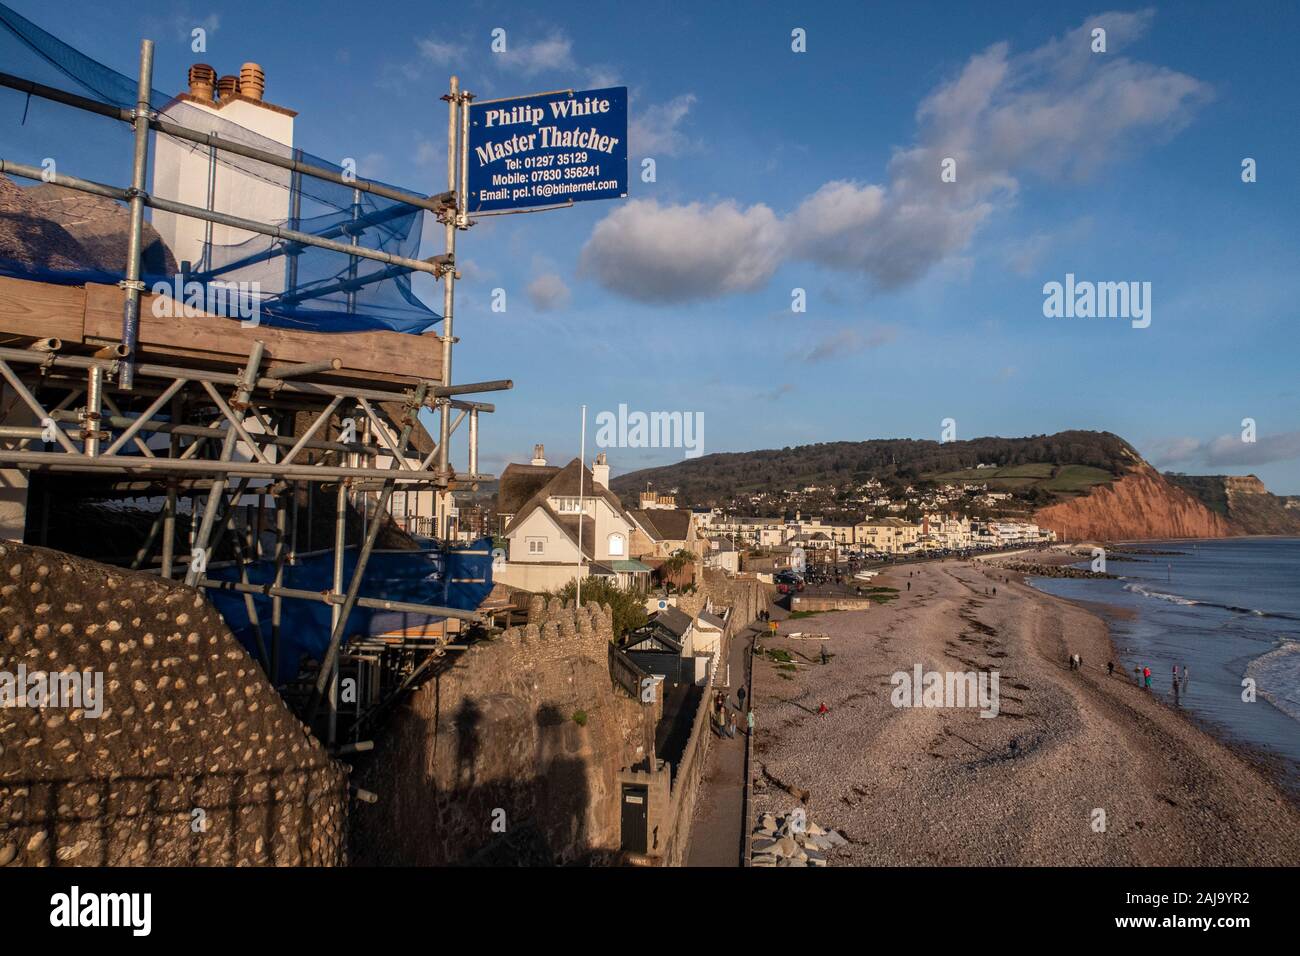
(183, 426)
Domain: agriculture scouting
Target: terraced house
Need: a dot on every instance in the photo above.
(887, 535)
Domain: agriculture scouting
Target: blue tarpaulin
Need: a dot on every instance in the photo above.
(454, 577)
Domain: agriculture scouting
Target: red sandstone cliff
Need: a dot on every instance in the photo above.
(1140, 504)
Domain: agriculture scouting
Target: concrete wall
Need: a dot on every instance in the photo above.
(538, 578)
(485, 762)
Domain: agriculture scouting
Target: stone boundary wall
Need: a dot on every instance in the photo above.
(510, 755)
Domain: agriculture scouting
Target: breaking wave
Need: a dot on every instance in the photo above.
(1277, 676)
(1144, 591)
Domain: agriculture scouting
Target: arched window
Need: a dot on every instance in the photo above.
(616, 545)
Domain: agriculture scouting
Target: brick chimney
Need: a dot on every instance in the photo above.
(600, 471)
(539, 455)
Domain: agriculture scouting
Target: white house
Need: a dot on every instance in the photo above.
(570, 505)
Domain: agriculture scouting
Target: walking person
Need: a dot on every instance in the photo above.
(1110, 668)
(749, 720)
(1146, 677)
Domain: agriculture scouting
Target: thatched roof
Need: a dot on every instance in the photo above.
(50, 227)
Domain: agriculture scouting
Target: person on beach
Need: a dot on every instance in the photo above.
(909, 585)
(1146, 677)
(823, 710)
(1110, 668)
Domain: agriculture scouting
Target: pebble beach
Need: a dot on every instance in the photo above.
(1077, 767)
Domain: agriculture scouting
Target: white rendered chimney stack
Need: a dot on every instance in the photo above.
(600, 471)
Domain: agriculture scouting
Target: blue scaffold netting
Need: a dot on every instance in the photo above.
(51, 233)
(445, 577)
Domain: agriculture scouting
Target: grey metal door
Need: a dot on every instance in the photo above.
(635, 817)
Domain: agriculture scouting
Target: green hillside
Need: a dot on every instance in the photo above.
(1041, 468)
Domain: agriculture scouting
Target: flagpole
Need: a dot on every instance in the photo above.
(582, 470)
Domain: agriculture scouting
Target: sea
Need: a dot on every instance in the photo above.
(1227, 611)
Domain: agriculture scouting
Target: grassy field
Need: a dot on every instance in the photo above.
(1064, 478)
(1077, 478)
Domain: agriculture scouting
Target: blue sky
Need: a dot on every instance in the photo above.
(820, 171)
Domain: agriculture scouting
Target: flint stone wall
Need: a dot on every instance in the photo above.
(189, 723)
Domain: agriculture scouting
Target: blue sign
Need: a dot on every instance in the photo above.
(547, 150)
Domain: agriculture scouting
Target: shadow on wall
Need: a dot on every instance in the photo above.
(491, 815)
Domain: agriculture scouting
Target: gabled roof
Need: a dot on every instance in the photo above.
(663, 524)
(677, 622)
(562, 482)
(519, 483)
(651, 635)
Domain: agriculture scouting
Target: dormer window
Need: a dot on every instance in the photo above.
(568, 505)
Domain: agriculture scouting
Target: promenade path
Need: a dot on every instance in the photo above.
(718, 824)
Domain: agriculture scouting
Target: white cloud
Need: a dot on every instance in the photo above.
(553, 53)
(1266, 449)
(653, 131)
(849, 341)
(1226, 450)
(655, 253)
(1169, 451)
(1057, 112)
(184, 21)
(548, 293)
(441, 52)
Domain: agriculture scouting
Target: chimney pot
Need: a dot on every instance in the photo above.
(228, 86)
(203, 81)
(252, 81)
